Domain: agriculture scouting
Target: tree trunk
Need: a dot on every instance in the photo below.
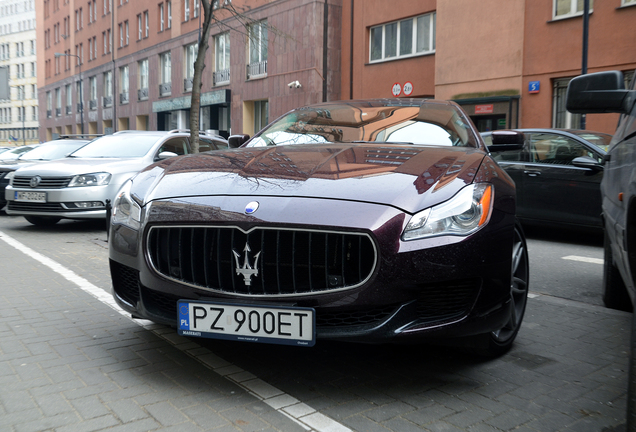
(197, 82)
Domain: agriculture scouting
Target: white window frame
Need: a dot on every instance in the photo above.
(222, 51)
(258, 42)
(628, 2)
(143, 74)
(186, 10)
(139, 26)
(161, 18)
(147, 23)
(108, 84)
(166, 67)
(432, 28)
(573, 12)
(190, 57)
(195, 11)
(169, 4)
(124, 79)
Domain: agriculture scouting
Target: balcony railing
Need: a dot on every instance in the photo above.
(58, 112)
(123, 98)
(48, 113)
(221, 77)
(92, 104)
(165, 89)
(142, 94)
(187, 84)
(257, 70)
(69, 109)
(107, 101)
(79, 107)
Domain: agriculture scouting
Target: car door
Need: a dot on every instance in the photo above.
(554, 189)
(514, 163)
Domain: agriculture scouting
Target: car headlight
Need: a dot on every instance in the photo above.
(93, 179)
(126, 210)
(464, 214)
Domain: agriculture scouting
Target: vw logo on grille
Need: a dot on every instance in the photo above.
(35, 181)
(251, 207)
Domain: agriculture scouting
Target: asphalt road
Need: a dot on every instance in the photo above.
(566, 372)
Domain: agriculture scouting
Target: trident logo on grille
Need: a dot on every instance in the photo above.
(246, 270)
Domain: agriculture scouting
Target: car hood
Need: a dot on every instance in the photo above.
(403, 176)
(74, 166)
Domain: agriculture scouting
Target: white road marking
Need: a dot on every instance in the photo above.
(583, 259)
(285, 404)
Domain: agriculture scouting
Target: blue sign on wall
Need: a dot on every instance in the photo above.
(534, 86)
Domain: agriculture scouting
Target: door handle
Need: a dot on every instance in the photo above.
(532, 173)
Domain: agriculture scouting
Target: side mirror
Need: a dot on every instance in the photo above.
(600, 92)
(505, 140)
(235, 141)
(587, 162)
(165, 155)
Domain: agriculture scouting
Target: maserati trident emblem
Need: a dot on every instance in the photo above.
(246, 270)
(35, 181)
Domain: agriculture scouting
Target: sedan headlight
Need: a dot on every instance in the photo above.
(93, 179)
(464, 214)
(126, 210)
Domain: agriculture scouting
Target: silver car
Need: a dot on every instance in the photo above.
(81, 185)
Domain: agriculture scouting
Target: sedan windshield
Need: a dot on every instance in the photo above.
(430, 124)
(52, 151)
(117, 146)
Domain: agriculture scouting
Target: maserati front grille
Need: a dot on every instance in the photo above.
(263, 261)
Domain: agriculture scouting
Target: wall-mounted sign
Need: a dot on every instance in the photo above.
(408, 88)
(396, 90)
(534, 86)
(484, 109)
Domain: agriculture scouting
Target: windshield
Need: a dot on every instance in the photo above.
(600, 140)
(431, 124)
(118, 146)
(15, 153)
(52, 151)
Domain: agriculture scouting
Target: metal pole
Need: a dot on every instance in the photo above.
(23, 115)
(79, 60)
(586, 26)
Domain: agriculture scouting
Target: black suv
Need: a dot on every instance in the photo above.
(604, 92)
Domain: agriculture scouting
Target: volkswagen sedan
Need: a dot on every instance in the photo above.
(368, 221)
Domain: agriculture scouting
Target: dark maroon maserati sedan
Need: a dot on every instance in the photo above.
(368, 221)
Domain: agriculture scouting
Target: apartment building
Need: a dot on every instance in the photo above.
(507, 63)
(136, 61)
(19, 110)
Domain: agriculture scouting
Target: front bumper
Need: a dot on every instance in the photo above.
(61, 202)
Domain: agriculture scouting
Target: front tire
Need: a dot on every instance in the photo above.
(42, 221)
(500, 341)
(615, 294)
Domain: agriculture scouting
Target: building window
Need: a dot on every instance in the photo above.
(562, 118)
(69, 99)
(146, 24)
(569, 8)
(92, 82)
(126, 28)
(121, 35)
(628, 2)
(195, 13)
(190, 57)
(165, 87)
(261, 115)
(169, 13)
(405, 38)
(139, 27)
(108, 89)
(58, 102)
(257, 40)
(123, 83)
(143, 80)
(186, 10)
(222, 59)
(161, 18)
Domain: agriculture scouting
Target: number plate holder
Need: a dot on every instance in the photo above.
(39, 197)
(283, 325)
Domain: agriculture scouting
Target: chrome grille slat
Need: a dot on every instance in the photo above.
(45, 182)
(291, 262)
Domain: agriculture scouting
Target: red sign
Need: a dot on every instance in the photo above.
(408, 88)
(396, 89)
(484, 109)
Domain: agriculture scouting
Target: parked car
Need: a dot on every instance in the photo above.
(558, 175)
(4, 149)
(15, 152)
(82, 185)
(370, 221)
(51, 150)
(605, 92)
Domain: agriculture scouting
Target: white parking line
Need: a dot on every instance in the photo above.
(285, 404)
(583, 259)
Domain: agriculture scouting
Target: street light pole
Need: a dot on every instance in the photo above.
(81, 103)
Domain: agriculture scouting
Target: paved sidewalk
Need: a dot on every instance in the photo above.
(70, 362)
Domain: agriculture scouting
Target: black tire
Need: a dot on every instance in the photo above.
(499, 342)
(42, 220)
(615, 294)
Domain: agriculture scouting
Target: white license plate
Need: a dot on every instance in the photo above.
(31, 196)
(248, 323)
